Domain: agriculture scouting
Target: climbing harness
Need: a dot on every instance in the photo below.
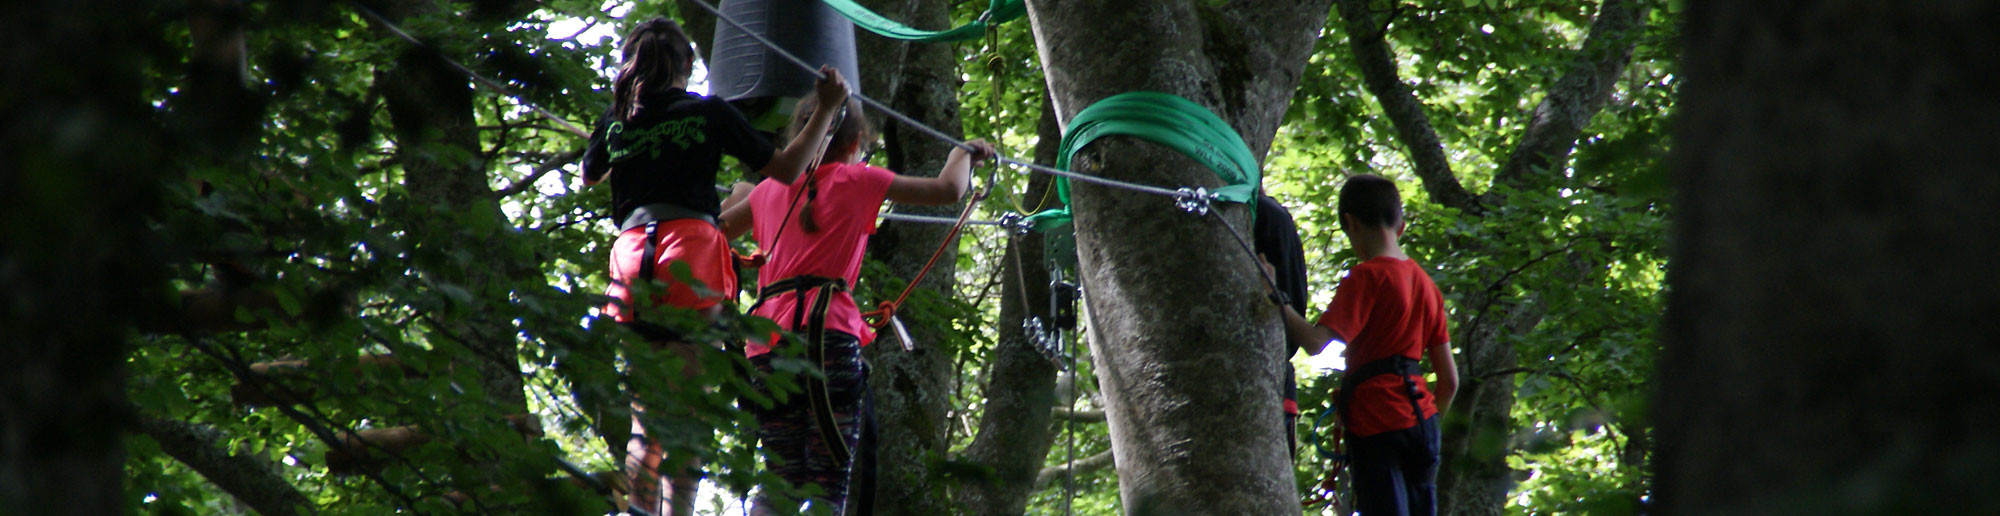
(1399, 365)
(813, 294)
(997, 12)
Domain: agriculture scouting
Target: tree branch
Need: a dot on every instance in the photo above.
(1083, 465)
(1578, 95)
(252, 479)
(1080, 416)
(1399, 102)
(557, 162)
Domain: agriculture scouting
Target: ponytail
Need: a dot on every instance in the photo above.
(654, 56)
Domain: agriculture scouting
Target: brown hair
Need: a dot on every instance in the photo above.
(654, 55)
(850, 129)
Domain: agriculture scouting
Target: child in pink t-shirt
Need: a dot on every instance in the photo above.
(814, 232)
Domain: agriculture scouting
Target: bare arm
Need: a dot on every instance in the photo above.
(1447, 371)
(950, 184)
(1304, 334)
(789, 162)
(736, 214)
(1299, 331)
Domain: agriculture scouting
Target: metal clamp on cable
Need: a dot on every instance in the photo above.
(1193, 200)
(1017, 224)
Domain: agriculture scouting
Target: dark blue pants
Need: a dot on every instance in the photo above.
(1395, 472)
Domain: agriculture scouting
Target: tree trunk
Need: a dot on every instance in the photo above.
(1185, 343)
(1830, 317)
(913, 389)
(1014, 435)
(82, 177)
(431, 106)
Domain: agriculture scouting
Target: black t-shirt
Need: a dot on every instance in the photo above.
(1277, 238)
(670, 152)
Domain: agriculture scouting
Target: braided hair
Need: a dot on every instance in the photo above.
(852, 127)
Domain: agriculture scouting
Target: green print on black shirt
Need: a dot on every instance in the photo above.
(683, 133)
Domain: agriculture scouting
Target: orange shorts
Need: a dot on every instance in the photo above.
(694, 242)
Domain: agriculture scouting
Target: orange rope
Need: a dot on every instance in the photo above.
(879, 317)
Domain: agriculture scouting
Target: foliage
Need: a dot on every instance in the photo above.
(318, 212)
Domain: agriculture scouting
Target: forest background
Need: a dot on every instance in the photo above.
(330, 193)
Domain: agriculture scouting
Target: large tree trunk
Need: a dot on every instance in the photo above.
(1830, 317)
(1185, 343)
(913, 389)
(1014, 433)
(79, 179)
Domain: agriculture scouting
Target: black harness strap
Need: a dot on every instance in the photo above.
(652, 254)
(1399, 365)
(810, 319)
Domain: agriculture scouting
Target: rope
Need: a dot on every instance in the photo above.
(919, 219)
(483, 81)
(1330, 486)
(883, 312)
(1075, 387)
(997, 12)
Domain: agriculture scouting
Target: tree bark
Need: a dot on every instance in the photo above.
(1014, 434)
(913, 389)
(252, 479)
(1832, 275)
(1185, 344)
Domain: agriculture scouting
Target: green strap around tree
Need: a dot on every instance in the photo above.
(998, 12)
(1165, 119)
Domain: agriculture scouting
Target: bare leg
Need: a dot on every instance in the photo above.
(643, 456)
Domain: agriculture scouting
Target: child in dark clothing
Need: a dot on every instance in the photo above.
(660, 147)
(1390, 314)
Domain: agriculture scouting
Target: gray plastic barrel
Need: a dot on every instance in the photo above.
(759, 81)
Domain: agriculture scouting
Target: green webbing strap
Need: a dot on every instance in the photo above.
(1164, 119)
(998, 12)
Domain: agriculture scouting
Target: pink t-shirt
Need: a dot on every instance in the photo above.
(850, 194)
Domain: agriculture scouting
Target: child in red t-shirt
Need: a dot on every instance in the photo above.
(1389, 313)
(814, 232)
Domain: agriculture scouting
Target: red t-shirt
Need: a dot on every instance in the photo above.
(850, 194)
(1386, 306)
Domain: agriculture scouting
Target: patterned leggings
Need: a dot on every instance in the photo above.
(809, 438)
